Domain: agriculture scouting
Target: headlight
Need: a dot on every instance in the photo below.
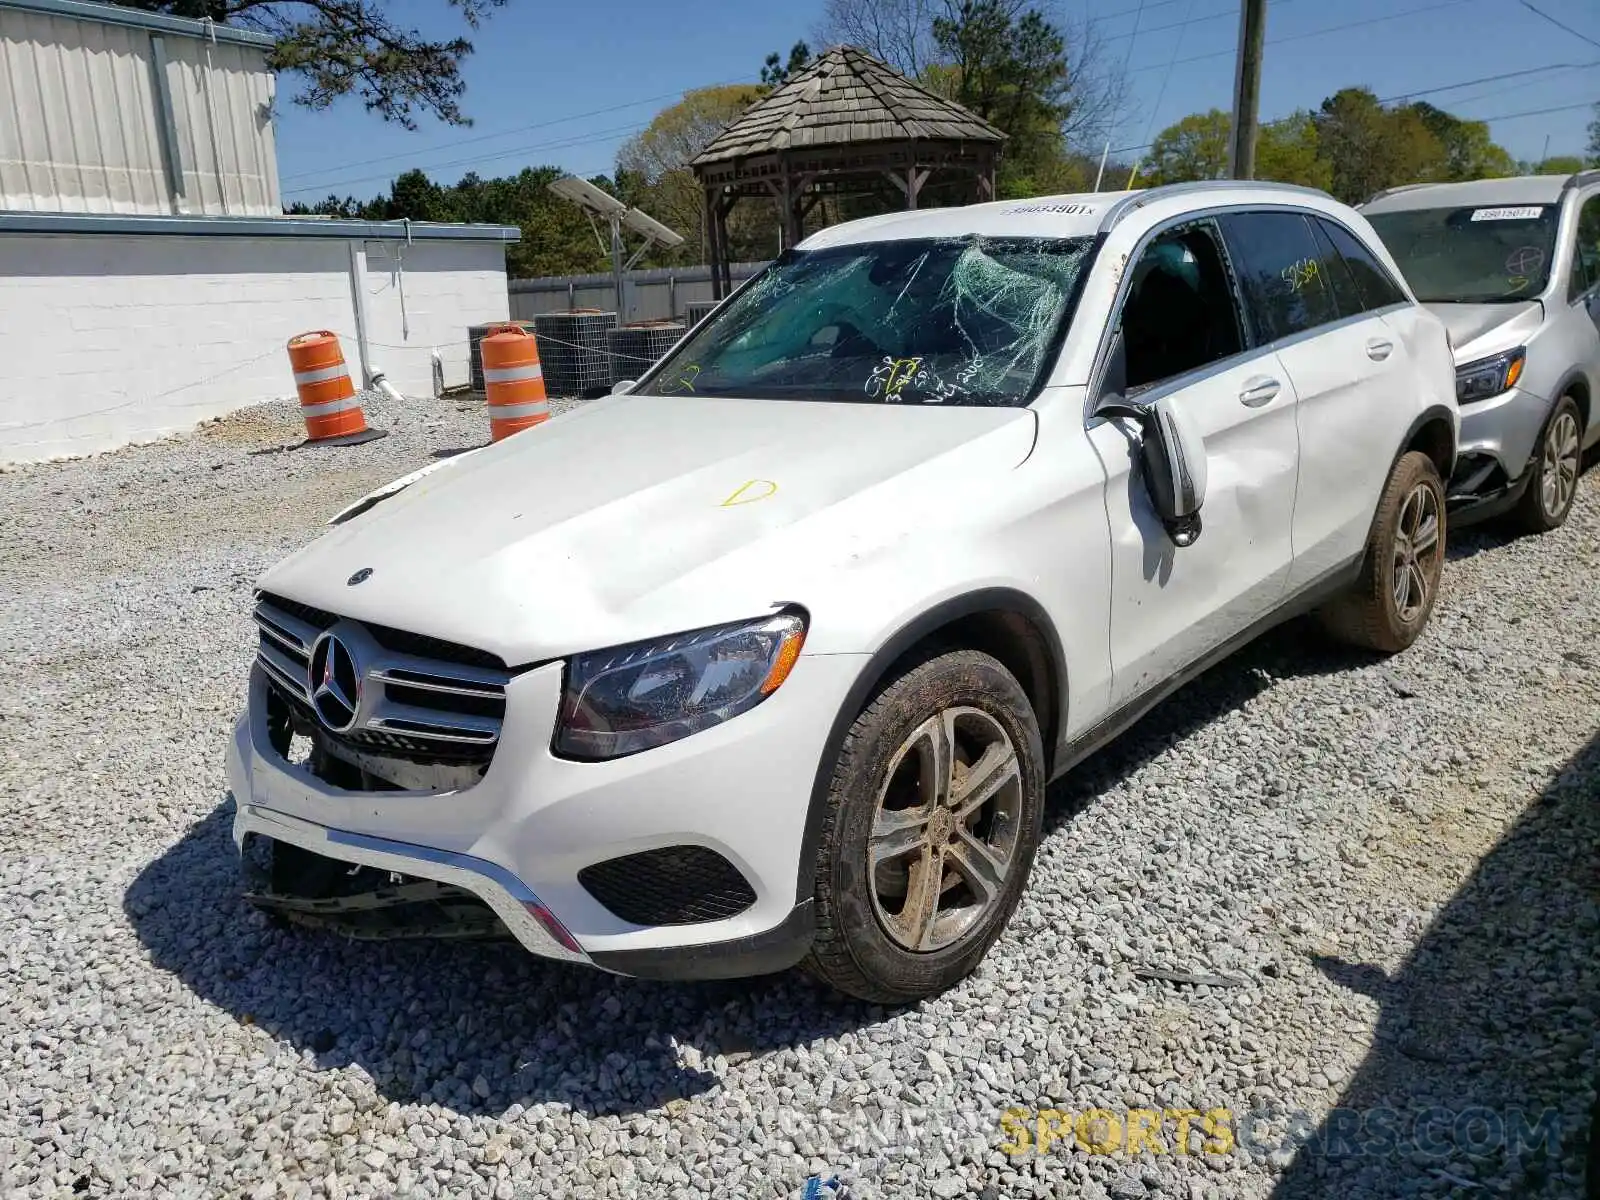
(1489, 376)
(632, 698)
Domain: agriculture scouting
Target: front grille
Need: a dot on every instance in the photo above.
(675, 885)
(399, 640)
(422, 699)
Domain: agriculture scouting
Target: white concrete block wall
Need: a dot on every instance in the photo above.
(447, 286)
(110, 339)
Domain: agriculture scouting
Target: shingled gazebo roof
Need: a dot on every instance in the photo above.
(845, 97)
(844, 124)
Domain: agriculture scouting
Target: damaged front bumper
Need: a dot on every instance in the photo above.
(410, 891)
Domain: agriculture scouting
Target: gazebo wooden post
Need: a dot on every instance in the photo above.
(724, 207)
(717, 206)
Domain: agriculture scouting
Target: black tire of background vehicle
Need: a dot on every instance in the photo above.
(1368, 615)
(1530, 515)
(852, 951)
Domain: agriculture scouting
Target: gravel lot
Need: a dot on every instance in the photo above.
(1387, 870)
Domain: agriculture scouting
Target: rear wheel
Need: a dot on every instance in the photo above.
(1548, 499)
(933, 816)
(1391, 602)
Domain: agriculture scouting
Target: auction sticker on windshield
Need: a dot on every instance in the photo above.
(1506, 214)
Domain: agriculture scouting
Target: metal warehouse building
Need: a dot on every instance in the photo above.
(148, 279)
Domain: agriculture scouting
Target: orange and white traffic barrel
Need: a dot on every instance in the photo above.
(513, 381)
(328, 400)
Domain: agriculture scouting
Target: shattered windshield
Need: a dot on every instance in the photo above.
(929, 321)
(1472, 255)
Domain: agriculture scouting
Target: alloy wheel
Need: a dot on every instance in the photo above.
(945, 830)
(1418, 552)
(1559, 478)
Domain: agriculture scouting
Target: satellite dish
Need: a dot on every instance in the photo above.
(596, 202)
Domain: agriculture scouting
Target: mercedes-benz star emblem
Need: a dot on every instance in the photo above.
(360, 576)
(335, 683)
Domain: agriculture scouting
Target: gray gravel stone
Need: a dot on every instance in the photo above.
(1384, 861)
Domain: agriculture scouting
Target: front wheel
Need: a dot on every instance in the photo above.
(1549, 495)
(1391, 602)
(933, 815)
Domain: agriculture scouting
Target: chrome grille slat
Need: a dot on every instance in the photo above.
(285, 627)
(430, 683)
(432, 730)
(290, 673)
(283, 639)
(462, 720)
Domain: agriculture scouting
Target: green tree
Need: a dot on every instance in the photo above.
(1197, 148)
(1594, 137)
(659, 155)
(1470, 153)
(360, 48)
(556, 237)
(1556, 164)
(1369, 147)
(1009, 65)
(1287, 151)
(775, 72)
(1193, 148)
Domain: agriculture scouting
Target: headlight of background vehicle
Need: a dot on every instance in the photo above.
(1489, 376)
(632, 698)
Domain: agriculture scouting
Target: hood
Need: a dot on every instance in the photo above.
(1480, 330)
(639, 516)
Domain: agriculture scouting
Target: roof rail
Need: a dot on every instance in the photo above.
(1582, 179)
(1140, 198)
(1404, 187)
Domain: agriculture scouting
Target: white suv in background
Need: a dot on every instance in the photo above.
(1512, 267)
(769, 660)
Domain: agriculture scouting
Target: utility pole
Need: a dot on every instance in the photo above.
(1247, 89)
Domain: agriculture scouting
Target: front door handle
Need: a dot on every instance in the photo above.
(1258, 391)
(1379, 349)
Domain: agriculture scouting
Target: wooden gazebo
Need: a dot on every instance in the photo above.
(844, 122)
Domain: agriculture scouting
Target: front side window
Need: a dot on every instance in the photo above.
(1586, 254)
(1472, 255)
(964, 320)
(1285, 280)
(1372, 280)
(1180, 314)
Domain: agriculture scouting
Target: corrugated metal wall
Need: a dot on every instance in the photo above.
(240, 136)
(85, 129)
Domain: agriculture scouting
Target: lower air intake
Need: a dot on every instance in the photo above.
(675, 885)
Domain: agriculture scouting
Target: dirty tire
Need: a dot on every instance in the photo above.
(1550, 492)
(1371, 614)
(882, 780)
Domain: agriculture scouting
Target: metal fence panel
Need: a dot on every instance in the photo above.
(657, 294)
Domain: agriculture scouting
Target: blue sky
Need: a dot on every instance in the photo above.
(566, 84)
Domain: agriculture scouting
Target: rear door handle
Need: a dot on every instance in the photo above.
(1379, 349)
(1258, 391)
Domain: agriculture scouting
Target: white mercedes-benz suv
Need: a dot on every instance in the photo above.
(768, 658)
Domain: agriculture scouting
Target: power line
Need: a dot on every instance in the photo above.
(1448, 87)
(1297, 37)
(458, 142)
(1534, 112)
(583, 139)
(1538, 13)
(1161, 94)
